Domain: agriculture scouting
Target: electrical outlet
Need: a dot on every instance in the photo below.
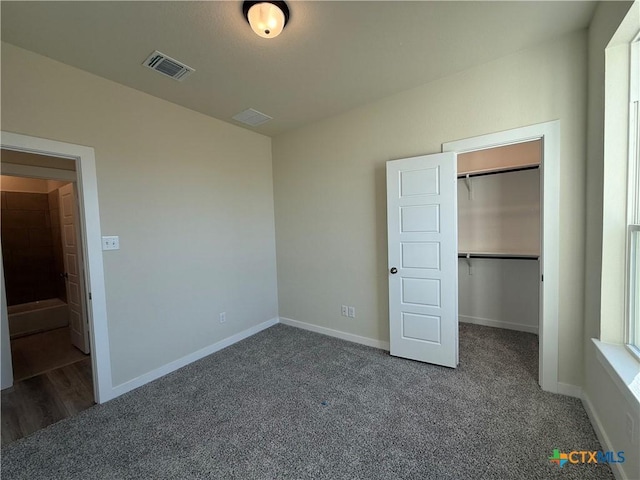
(630, 425)
(223, 317)
(345, 311)
(111, 243)
(352, 312)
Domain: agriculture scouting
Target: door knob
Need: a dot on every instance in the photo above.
(64, 275)
(393, 270)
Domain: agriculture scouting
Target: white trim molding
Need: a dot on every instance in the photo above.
(350, 337)
(622, 367)
(549, 132)
(87, 184)
(192, 357)
(601, 433)
(488, 322)
(569, 390)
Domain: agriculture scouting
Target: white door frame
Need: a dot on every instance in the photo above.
(549, 133)
(92, 247)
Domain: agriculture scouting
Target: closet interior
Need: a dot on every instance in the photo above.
(499, 232)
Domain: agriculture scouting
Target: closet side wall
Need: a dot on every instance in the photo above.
(500, 213)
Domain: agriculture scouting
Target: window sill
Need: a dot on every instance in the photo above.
(623, 368)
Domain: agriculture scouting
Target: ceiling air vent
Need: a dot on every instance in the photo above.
(168, 66)
(252, 117)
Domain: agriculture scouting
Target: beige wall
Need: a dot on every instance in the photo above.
(329, 183)
(608, 409)
(190, 197)
(502, 216)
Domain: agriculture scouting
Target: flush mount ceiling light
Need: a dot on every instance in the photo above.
(266, 18)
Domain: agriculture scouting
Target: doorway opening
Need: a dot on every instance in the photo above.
(509, 221)
(48, 154)
(499, 236)
(44, 286)
(424, 260)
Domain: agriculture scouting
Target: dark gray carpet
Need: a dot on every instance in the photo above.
(288, 403)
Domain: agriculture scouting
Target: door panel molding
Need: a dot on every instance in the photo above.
(423, 258)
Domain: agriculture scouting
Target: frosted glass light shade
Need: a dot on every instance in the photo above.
(266, 19)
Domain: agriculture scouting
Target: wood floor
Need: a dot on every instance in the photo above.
(39, 353)
(52, 381)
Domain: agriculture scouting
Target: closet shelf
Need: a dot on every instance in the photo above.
(495, 172)
(507, 256)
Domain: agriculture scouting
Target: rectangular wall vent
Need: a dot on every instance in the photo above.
(168, 66)
(252, 117)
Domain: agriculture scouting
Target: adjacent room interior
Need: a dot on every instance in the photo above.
(47, 320)
(205, 272)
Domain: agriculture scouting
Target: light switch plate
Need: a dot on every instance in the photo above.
(111, 242)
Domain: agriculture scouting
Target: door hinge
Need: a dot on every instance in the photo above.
(542, 280)
(89, 295)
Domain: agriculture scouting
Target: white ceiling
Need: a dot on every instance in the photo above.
(331, 57)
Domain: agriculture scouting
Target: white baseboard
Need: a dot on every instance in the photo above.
(569, 390)
(603, 438)
(487, 322)
(186, 360)
(350, 337)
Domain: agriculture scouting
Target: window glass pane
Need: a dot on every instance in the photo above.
(634, 166)
(634, 134)
(634, 284)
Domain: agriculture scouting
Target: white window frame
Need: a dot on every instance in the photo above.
(632, 323)
(633, 299)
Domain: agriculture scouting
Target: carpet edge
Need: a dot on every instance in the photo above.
(350, 337)
(159, 372)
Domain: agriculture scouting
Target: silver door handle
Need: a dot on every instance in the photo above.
(393, 270)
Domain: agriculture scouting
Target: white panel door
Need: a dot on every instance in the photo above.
(74, 274)
(423, 258)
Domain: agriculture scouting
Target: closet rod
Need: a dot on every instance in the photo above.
(495, 172)
(497, 255)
